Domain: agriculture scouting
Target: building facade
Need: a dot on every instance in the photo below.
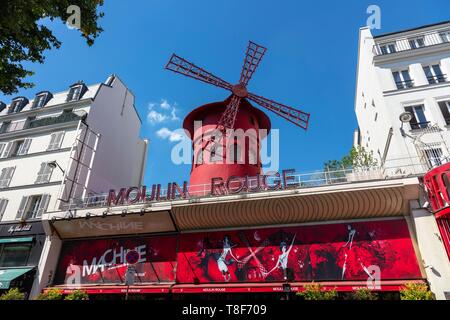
(58, 147)
(404, 72)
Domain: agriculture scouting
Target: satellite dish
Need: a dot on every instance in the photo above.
(406, 117)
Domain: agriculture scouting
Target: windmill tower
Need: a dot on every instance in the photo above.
(217, 150)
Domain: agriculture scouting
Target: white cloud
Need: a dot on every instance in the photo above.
(172, 136)
(162, 112)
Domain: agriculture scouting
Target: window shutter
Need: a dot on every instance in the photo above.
(3, 204)
(2, 148)
(444, 110)
(43, 205)
(8, 150)
(9, 175)
(40, 174)
(3, 178)
(22, 206)
(58, 140)
(52, 141)
(24, 147)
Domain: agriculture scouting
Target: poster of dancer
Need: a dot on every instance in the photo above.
(317, 252)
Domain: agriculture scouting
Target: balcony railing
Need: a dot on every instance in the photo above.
(405, 84)
(437, 79)
(415, 42)
(29, 124)
(394, 168)
(420, 125)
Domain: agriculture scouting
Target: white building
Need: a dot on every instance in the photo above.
(55, 148)
(399, 72)
(402, 103)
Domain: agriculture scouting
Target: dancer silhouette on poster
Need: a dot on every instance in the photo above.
(282, 258)
(222, 262)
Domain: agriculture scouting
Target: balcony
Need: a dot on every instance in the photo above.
(7, 127)
(415, 42)
(404, 84)
(420, 125)
(437, 79)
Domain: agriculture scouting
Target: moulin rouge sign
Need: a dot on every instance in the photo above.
(219, 186)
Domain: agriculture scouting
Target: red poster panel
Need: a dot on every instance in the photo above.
(103, 261)
(350, 251)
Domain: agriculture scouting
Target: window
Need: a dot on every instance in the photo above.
(17, 148)
(418, 121)
(17, 105)
(417, 43)
(216, 153)
(32, 207)
(235, 153)
(388, 48)
(44, 174)
(445, 110)
(434, 157)
(445, 36)
(5, 126)
(41, 100)
(434, 73)
(5, 176)
(3, 204)
(14, 254)
(56, 140)
(75, 93)
(402, 79)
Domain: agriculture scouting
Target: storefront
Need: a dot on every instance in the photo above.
(268, 262)
(20, 250)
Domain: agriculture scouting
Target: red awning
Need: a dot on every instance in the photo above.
(116, 289)
(342, 286)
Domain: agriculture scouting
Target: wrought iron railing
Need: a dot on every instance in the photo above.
(415, 42)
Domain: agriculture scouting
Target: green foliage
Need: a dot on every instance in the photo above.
(314, 291)
(51, 294)
(357, 158)
(24, 36)
(77, 295)
(364, 294)
(13, 294)
(415, 291)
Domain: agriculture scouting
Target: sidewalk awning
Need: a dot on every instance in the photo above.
(8, 275)
(342, 286)
(15, 240)
(115, 289)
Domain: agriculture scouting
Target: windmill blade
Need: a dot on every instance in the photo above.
(297, 117)
(228, 117)
(252, 58)
(184, 67)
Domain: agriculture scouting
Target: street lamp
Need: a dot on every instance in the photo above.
(405, 117)
(55, 164)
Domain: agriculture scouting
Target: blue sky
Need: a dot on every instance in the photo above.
(310, 64)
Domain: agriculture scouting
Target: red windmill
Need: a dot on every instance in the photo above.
(233, 113)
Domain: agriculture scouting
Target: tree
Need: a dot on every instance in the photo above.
(51, 294)
(24, 37)
(77, 295)
(364, 294)
(357, 158)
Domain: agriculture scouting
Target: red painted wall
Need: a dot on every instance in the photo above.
(248, 117)
(319, 252)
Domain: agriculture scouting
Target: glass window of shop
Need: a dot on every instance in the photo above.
(14, 255)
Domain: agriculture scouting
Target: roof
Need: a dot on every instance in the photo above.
(58, 98)
(412, 29)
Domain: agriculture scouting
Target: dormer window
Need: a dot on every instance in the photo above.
(417, 43)
(76, 92)
(41, 99)
(17, 105)
(2, 106)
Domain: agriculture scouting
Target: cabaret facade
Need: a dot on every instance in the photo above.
(343, 234)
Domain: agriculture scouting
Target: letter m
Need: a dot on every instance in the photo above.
(116, 199)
